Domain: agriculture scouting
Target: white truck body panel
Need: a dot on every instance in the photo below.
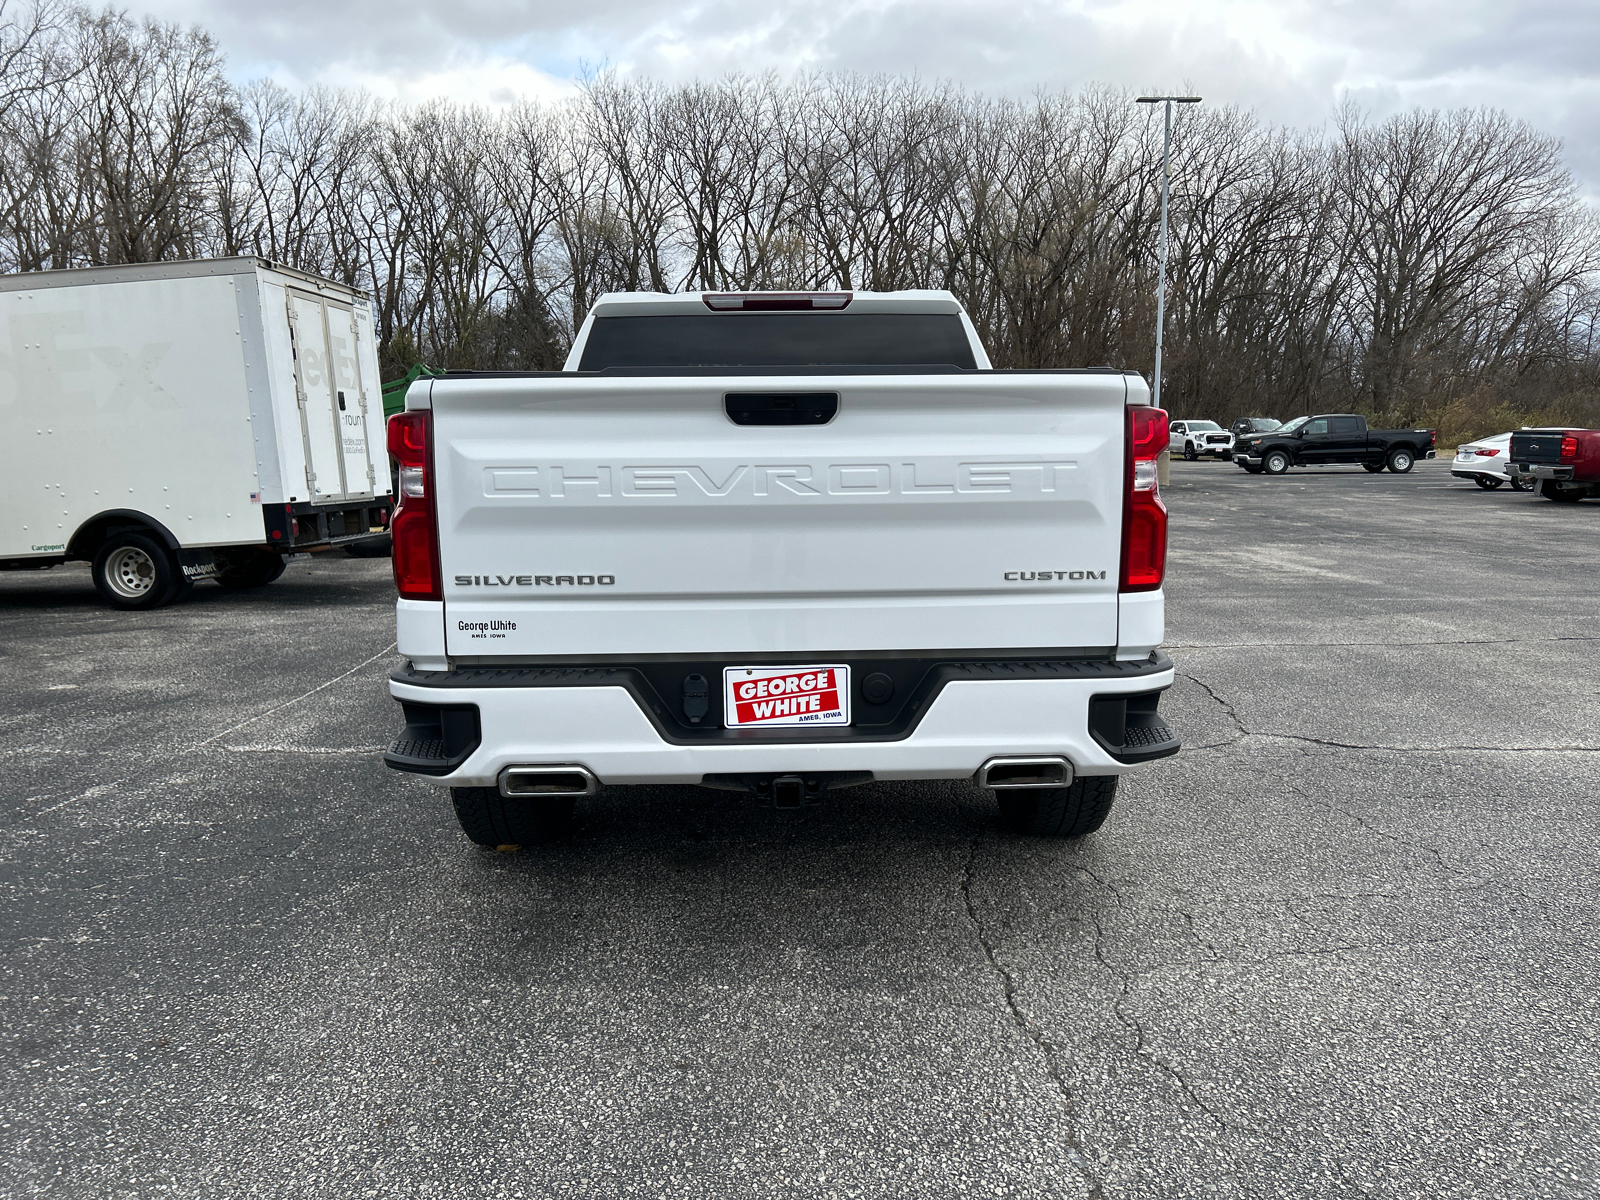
(169, 390)
(641, 520)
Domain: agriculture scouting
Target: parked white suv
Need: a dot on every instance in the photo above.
(779, 543)
(1195, 438)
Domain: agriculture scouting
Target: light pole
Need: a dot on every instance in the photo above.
(1166, 187)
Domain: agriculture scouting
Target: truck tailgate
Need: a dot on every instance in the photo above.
(590, 516)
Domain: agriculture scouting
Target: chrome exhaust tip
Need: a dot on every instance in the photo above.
(1032, 771)
(563, 779)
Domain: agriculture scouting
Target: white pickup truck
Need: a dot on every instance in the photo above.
(779, 543)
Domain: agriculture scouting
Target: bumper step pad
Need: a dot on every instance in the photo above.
(1129, 729)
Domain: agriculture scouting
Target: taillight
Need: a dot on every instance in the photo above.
(1144, 516)
(1569, 447)
(413, 526)
(1486, 453)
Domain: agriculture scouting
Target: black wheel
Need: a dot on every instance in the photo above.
(134, 571)
(1275, 463)
(1551, 490)
(1059, 812)
(378, 547)
(1372, 468)
(490, 819)
(1487, 482)
(1189, 452)
(1400, 461)
(249, 569)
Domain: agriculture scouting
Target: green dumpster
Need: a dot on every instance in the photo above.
(394, 392)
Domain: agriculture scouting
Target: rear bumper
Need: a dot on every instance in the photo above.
(1544, 471)
(295, 527)
(1104, 721)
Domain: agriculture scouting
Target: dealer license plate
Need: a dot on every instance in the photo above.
(755, 697)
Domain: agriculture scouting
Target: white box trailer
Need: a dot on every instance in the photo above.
(169, 422)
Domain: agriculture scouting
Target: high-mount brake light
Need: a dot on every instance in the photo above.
(776, 301)
(1144, 516)
(414, 526)
(1569, 447)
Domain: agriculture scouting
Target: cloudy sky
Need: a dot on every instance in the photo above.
(1291, 60)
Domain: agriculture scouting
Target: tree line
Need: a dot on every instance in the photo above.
(1434, 266)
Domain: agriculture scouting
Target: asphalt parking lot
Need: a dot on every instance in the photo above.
(1345, 944)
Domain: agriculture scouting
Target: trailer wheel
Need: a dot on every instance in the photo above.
(492, 820)
(134, 571)
(251, 569)
(1400, 461)
(1059, 812)
(1275, 463)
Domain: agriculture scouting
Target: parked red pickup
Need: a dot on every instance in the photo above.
(1566, 462)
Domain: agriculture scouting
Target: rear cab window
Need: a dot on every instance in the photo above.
(777, 339)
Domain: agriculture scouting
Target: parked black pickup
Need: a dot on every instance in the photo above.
(1332, 438)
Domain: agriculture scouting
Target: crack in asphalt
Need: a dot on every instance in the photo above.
(1331, 807)
(1125, 1016)
(1362, 821)
(1047, 1049)
(1245, 731)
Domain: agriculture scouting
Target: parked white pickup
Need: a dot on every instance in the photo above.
(721, 490)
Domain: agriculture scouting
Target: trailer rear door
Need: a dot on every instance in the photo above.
(350, 399)
(314, 390)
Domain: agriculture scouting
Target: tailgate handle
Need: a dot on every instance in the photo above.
(781, 408)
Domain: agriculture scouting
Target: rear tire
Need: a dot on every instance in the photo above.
(1487, 482)
(1401, 461)
(1067, 812)
(1551, 490)
(1372, 468)
(1275, 463)
(491, 820)
(249, 569)
(133, 571)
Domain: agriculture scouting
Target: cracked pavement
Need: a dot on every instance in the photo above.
(1345, 944)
